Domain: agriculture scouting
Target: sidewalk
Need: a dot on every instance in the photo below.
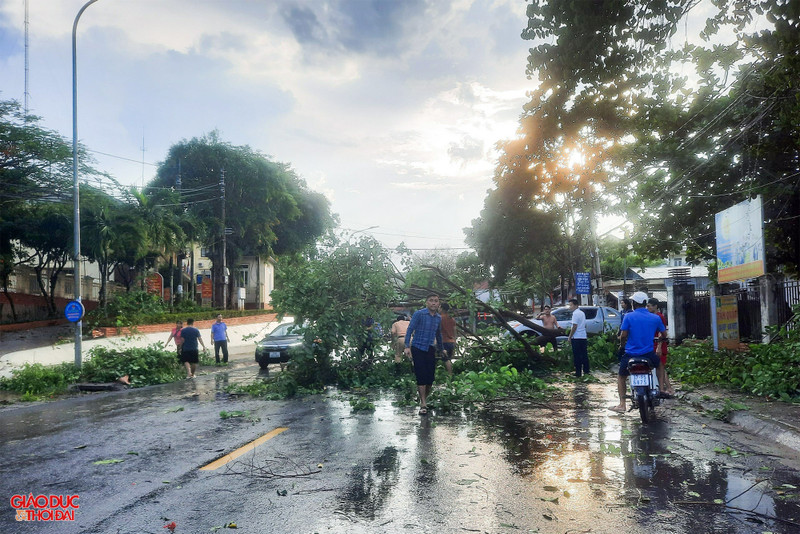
(55, 344)
(774, 421)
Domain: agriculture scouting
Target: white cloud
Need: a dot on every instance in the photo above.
(393, 115)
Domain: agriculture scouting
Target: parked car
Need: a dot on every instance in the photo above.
(275, 347)
(599, 319)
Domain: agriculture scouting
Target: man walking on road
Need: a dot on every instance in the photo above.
(577, 337)
(220, 339)
(636, 334)
(425, 329)
(190, 354)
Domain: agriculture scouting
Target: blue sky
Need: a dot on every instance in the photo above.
(390, 108)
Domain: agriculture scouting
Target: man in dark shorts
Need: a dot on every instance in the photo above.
(425, 329)
(636, 334)
(190, 353)
(448, 337)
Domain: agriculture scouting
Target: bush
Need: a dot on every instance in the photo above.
(144, 366)
(603, 350)
(126, 310)
(37, 380)
(771, 370)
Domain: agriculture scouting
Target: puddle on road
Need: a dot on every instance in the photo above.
(669, 475)
(575, 459)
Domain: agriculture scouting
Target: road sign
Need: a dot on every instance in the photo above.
(74, 311)
(583, 284)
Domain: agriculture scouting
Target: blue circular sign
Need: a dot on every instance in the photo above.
(74, 311)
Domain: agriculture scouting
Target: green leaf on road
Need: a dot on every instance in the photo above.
(107, 462)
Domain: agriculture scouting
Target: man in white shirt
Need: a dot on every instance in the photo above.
(577, 337)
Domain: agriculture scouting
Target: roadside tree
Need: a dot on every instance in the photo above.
(333, 290)
(268, 209)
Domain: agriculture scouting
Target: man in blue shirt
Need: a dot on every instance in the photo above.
(636, 334)
(219, 337)
(423, 336)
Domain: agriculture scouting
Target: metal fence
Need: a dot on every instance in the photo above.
(788, 295)
(698, 315)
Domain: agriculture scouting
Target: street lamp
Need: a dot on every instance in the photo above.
(75, 188)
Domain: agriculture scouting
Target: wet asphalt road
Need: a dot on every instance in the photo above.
(562, 466)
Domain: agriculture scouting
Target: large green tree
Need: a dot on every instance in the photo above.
(268, 209)
(334, 288)
(621, 122)
(35, 191)
(549, 183)
(112, 233)
(729, 132)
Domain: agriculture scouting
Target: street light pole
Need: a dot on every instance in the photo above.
(75, 187)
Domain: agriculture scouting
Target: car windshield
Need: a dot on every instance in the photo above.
(286, 329)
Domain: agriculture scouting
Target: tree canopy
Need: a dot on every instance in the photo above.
(268, 208)
(626, 120)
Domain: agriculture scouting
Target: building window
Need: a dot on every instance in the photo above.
(244, 276)
(204, 252)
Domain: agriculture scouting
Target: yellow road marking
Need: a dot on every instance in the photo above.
(242, 450)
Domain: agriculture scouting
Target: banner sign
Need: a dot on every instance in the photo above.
(727, 322)
(154, 284)
(740, 241)
(206, 289)
(583, 285)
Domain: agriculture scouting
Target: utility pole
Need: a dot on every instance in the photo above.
(76, 211)
(27, 93)
(172, 256)
(224, 244)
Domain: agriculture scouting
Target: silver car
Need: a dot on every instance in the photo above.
(599, 319)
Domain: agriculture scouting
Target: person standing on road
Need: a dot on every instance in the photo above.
(660, 346)
(448, 337)
(639, 327)
(426, 332)
(190, 353)
(399, 328)
(176, 335)
(578, 339)
(220, 339)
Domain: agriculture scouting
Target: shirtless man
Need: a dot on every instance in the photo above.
(548, 321)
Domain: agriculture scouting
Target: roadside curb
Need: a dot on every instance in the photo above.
(750, 420)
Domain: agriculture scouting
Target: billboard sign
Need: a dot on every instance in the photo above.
(740, 241)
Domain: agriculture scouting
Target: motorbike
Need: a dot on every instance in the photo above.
(644, 387)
